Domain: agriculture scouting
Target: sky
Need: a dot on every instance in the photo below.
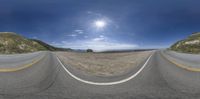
(102, 24)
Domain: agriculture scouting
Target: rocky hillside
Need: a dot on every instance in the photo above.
(188, 45)
(11, 43)
(49, 47)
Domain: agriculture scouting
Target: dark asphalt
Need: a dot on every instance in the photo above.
(47, 79)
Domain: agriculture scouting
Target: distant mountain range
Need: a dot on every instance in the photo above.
(189, 45)
(11, 43)
(130, 50)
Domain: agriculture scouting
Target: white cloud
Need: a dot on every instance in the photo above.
(76, 33)
(56, 44)
(100, 38)
(79, 31)
(86, 36)
(89, 12)
(35, 37)
(72, 35)
(94, 13)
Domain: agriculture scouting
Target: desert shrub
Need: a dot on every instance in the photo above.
(89, 50)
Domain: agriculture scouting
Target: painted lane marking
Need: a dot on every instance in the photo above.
(105, 83)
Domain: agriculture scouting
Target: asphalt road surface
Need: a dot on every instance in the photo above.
(46, 77)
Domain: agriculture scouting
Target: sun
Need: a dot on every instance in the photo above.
(100, 23)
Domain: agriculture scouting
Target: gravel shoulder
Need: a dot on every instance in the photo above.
(103, 64)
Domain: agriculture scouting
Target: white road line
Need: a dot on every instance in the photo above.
(105, 83)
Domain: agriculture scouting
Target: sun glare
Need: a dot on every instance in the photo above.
(100, 23)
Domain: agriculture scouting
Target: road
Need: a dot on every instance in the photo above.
(47, 78)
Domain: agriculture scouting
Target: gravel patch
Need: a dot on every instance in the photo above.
(104, 64)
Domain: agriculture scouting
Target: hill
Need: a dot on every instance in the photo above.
(189, 45)
(49, 47)
(11, 43)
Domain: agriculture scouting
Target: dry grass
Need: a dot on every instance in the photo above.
(104, 64)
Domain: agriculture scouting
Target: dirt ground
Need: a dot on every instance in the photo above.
(103, 64)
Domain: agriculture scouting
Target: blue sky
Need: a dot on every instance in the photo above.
(129, 24)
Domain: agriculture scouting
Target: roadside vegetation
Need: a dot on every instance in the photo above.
(188, 45)
(11, 43)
